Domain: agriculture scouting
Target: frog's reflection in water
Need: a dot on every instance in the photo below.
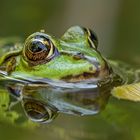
(42, 103)
(38, 111)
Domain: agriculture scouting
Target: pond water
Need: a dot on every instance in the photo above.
(117, 26)
(119, 120)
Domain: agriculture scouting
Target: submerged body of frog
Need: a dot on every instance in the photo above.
(68, 75)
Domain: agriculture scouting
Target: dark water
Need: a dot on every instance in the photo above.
(117, 27)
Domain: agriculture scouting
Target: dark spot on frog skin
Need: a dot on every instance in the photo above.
(11, 64)
(78, 56)
(80, 77)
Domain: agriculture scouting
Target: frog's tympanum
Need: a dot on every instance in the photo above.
(51, 76)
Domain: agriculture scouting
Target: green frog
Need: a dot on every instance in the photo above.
(73, 58)
(49, 75)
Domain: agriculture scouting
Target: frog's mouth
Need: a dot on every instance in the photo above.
(45, 82)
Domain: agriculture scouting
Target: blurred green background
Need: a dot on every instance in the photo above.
(117, 24)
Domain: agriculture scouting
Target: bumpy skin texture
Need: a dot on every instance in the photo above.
(74, 57)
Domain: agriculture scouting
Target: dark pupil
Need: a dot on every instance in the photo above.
(37, 47)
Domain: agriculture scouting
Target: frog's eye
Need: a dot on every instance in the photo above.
(92, 38)
(39, 48)
(38, 111)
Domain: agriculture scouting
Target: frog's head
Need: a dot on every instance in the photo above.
(72, 58)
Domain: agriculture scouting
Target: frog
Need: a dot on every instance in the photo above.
(74, 57)
(50, 75)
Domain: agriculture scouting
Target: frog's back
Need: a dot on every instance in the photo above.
(9, 44)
